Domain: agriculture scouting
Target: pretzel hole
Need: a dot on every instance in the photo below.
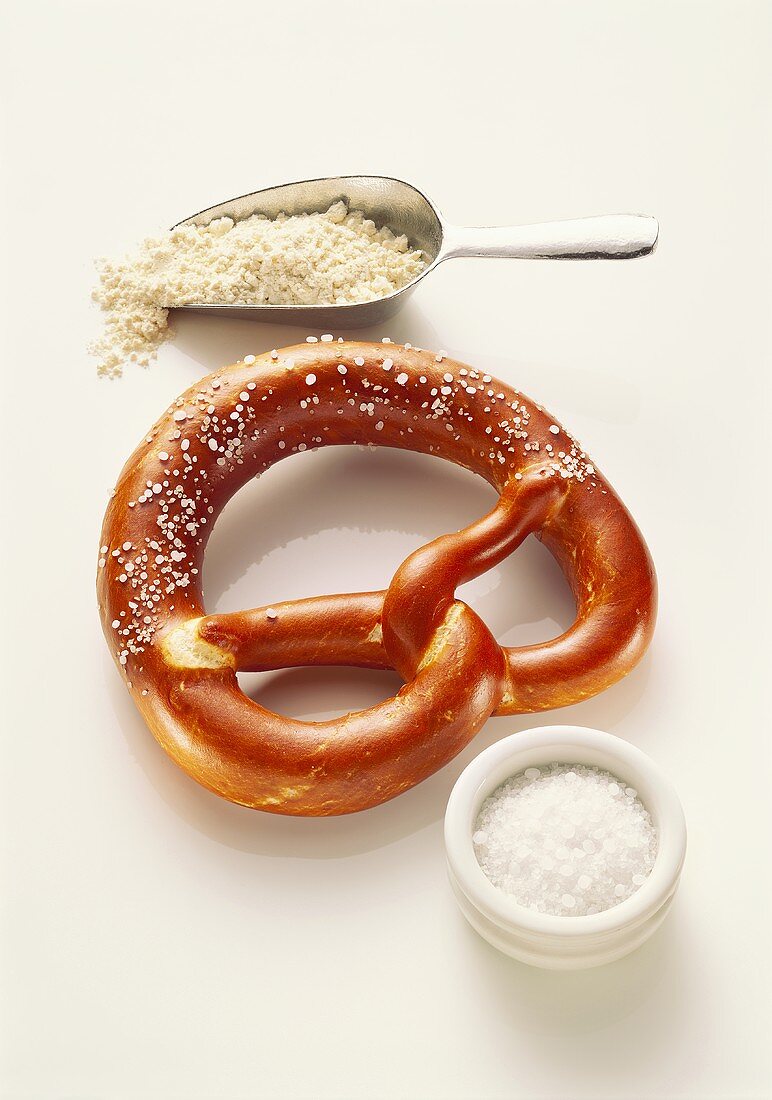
(320, 693)
(525, 600)
(337, 520)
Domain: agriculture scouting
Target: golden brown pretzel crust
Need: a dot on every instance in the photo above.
(180, 664)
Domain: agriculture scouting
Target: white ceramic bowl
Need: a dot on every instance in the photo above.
(558, 942)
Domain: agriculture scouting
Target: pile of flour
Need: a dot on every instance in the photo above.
(336, 257)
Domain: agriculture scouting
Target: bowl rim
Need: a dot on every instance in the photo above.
(475, 784)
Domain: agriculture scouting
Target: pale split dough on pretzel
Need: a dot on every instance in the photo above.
(180, 664)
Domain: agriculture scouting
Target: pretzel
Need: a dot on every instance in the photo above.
(180, 664)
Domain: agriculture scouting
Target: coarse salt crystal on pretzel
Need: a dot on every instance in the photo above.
(180, 663)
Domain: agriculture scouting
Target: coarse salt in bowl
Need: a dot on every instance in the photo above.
(558, 939)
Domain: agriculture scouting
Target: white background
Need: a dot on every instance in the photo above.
(159, 942)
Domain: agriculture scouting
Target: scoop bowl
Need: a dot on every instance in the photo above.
(405, 209)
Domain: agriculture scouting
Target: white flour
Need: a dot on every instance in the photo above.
(336, 257)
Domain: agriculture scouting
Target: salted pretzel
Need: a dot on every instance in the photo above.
(180, 663)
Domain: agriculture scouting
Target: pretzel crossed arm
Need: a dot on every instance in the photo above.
(348, 630)
(181, 664)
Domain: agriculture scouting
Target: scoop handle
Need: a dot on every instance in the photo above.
(607, 237)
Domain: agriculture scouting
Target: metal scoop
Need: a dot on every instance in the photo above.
(404, 209)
